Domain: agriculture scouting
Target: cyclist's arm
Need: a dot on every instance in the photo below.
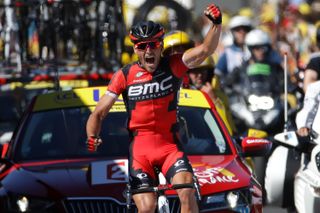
(198, 54)
(115, 88)
(100, 112)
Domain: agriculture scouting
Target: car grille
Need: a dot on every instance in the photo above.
(88, 205)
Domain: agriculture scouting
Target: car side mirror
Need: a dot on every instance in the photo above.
(252, 146)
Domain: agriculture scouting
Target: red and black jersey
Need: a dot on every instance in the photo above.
(150, 98)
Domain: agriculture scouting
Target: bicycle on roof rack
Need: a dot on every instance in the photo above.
(164, 205)
(61, 27)
(11, 51)
(110, 32)
(86, 31)
(62, 33)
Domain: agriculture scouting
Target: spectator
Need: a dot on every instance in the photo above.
(261, 52)
(235, 54)
(201, 78)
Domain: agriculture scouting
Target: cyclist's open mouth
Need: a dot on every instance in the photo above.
(149, 59)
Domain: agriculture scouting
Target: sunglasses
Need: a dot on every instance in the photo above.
(150, 44)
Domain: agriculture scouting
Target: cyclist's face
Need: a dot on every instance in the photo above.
(149, 54)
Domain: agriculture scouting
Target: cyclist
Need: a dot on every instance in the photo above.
(149, 88)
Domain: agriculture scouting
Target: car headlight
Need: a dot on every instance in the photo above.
(27, 204)
(233, 198)
(236, 200)
(23, 204)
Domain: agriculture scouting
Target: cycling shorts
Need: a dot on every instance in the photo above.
(155, 150)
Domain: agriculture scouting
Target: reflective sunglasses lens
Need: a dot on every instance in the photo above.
(141, 46)
(144, 45)
(152, 45)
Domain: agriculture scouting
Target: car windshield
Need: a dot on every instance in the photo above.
(61, 134)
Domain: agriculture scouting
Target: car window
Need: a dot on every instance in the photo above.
(61, 134)
(204, 135)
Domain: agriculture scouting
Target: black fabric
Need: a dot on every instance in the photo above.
(314, 64)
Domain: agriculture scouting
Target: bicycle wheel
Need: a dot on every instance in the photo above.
(178, 18)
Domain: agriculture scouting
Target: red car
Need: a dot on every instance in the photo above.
(47, 168)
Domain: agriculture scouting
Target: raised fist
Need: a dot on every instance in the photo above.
(214, 14)
(93, 142)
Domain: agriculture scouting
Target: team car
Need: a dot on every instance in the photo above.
(16, 95)
(46, 166)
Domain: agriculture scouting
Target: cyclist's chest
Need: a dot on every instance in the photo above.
(143, 85)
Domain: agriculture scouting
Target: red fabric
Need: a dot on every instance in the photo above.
(148, 153)
(151, 96)
(151, 101)
(177, 65)
(118, 83)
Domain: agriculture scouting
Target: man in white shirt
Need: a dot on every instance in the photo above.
(308, 118)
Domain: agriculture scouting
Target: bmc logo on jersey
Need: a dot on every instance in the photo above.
(163, 87)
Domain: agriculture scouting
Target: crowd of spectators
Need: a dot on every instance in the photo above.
(291, 26)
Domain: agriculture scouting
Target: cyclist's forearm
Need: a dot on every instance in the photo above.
(198, 54)
(93, 125)
(94, 122)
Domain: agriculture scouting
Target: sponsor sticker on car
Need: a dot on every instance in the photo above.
(213, 175)
(109, 172)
